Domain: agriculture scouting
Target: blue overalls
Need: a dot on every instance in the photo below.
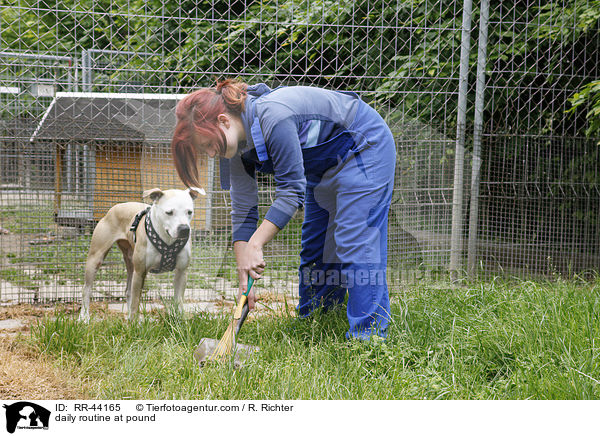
(333, 154)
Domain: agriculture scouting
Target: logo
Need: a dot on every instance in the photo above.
(26, 415)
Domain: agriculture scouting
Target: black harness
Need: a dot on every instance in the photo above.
(168, 253)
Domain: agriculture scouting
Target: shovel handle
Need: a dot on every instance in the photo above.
(250, 283)
(242, 312)
(245, 311)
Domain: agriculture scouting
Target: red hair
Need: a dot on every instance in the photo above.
(197, 121)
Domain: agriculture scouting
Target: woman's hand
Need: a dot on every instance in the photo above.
(250, 263)
(250, 260)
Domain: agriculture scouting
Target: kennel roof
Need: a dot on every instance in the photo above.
(97, 116)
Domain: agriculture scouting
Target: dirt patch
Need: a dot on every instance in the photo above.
(276, 304)
(24, 373)
(25, 312)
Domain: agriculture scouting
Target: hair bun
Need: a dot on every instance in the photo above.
(234, 94)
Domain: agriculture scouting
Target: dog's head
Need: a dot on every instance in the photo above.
(174, 209)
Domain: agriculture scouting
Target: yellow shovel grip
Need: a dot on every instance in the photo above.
(240, 306)
(243, 299)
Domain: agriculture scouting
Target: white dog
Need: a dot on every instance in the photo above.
(152, 238)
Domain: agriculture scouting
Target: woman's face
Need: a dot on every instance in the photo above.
(230, 128)
(233, 129)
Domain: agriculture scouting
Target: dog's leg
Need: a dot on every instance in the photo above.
(98, 251)
(127, 251)
(179, 286)
(135, 292)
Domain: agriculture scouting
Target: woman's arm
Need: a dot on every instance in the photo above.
(249, 257)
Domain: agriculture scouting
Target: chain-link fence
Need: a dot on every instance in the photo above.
(493, 173)
(539, 196)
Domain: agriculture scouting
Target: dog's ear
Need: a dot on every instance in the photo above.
(154, 194)
(194, 192)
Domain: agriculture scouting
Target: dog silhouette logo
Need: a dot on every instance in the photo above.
(26, 415)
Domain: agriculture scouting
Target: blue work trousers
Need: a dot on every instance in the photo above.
(344, 234)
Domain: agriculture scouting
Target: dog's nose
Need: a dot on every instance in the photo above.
(183, 231)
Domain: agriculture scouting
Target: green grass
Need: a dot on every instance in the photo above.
(497, 340)
(19, 278)
(21, 220)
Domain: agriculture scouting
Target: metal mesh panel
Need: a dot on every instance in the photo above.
(539, 182)
(87, 91)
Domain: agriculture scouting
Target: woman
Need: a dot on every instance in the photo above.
(331, 154)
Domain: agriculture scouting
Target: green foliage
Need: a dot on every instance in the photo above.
(589, 97)
(406, 54)
(575, 24)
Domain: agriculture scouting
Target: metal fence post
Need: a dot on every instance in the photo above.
(459, 162)
(86, 73)
(477, 132)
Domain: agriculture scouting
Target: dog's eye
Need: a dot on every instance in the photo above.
(189, 212)
(169, 212)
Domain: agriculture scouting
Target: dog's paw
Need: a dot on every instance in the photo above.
(84, 317)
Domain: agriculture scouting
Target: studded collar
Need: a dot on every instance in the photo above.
(168, 253)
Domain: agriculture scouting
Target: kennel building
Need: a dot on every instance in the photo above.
(109, 148)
